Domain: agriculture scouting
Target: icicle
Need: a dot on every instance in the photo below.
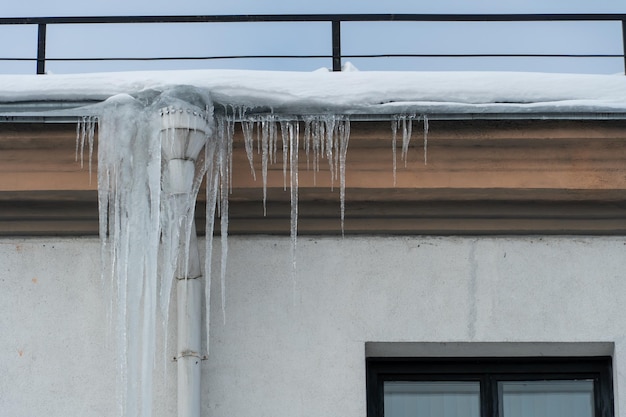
(307, 140)
(229, 154)
(425, 140)
(407, 130)
(80, 150)
(247, 126)
(79, 137)
(85, 134)
(265, 156)
(328, 136)
(273, 140)
(285, 138)
(93, 121)
(344, 138)
(224, 242)
(313, 141)
(319, 137)
(212, 187)
(329, 122)
(294, 133)
(394, 137)
(135, 283)
(224, 160)
(336, 136)
(258, 135)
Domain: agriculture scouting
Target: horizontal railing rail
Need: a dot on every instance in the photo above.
(334, 19)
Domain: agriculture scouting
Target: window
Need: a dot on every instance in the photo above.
(489, 387)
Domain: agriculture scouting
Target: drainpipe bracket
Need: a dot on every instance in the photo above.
(184, 278)
(190, 354)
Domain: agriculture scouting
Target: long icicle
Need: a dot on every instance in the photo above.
(394, 141)
(225, 162)
(212, 187)
(247, 126)
(407, 130)
(294, 133)
(265, 156)
(344, 138)
(425, 140)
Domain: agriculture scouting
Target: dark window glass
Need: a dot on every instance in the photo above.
(492, 387)
(546, 398)
(431, 399)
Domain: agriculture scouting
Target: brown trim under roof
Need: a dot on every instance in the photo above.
(482, 177)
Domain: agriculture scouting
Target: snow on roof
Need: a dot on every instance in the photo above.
(350, 92)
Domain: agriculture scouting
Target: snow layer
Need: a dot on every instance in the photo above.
(350, 92)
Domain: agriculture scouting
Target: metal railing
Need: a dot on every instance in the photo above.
(334, 19)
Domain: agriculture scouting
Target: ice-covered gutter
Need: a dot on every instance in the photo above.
(359, 94)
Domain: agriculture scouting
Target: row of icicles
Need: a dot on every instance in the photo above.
(127, 144)
(320, 136)
(324, 136)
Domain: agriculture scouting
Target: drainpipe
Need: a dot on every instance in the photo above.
(183, 135)
(189, 293)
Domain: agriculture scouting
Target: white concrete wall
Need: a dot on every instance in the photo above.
(53, 355)
(299, 350)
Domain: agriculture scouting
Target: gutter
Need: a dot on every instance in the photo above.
(70, 112)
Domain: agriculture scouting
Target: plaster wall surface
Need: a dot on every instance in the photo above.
(295, 345)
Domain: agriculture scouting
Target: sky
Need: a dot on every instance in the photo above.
(314, 38)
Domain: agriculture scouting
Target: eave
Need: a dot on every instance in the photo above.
(484, 176)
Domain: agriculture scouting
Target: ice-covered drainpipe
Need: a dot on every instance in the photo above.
(184, 134)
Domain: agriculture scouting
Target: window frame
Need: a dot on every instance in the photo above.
(489, 371)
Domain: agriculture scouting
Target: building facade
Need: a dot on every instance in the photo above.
(499, 243)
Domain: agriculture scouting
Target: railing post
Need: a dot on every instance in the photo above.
(41, 48)
(336, 45)
(624, 43)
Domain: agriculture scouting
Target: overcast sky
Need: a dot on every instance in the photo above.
(314, 38)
